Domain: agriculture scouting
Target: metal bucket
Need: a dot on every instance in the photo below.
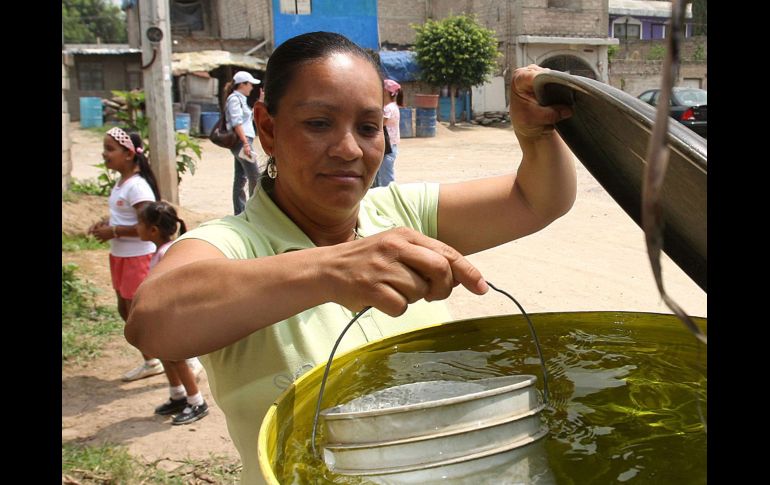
(495, 398)
(427, 451)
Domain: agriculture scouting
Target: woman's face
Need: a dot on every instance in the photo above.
(115, 156)
(327, 137)
(246, 88)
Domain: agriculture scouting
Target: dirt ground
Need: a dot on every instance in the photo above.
(593, 258)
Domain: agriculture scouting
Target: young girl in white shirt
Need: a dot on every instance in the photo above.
(129, 255)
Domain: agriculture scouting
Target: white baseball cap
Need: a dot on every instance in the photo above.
(245, 77)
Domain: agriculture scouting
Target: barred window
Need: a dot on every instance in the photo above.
(296, 7)
(90, 76)
(570, 4)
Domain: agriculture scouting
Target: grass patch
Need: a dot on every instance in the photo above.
(80, 242)
(113, 464)
(99, 130)
(85, 326)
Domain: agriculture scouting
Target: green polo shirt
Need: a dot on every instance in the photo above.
(248, 375)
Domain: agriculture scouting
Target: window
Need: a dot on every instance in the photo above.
(647, 97)
(627, 28)
(571, 4)
(186, 15)
(657, 31)
(134, 77)
(296, 7)
(90, 76)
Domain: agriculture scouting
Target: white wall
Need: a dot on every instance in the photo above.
(489, 96)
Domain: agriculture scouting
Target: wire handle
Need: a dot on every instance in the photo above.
(358, 315)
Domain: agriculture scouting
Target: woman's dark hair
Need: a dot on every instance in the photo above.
(144, 165)
(163, 215)
(313, 46)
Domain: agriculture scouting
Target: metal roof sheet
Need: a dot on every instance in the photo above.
(644, 8)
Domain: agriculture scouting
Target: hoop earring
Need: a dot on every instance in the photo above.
(272, 170)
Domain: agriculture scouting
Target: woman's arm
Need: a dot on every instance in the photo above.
(480, 214)
(196, 301)
(237, 119)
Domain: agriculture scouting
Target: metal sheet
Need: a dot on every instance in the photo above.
(184, 62)
(609, 133)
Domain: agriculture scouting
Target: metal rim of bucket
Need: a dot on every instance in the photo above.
(529, 380)
(441, 434)
(475, 456)
(440, 445)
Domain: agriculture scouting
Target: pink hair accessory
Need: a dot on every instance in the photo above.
(140, 150)
(122, 138)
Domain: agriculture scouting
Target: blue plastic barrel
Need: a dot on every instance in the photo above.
(405, 122)
(426, 122)
(91, 112)
(208, 120)
(182, 122)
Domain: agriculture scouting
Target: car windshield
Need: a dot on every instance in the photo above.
(691, 97)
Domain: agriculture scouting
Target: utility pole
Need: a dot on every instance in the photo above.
(155, 35)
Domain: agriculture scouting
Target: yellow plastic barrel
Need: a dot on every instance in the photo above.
(293, 411)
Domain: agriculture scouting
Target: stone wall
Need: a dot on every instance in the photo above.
(693, 49)
(244, 19)
(578, 18)
(635, 77)
(636, 66)
(395, 18)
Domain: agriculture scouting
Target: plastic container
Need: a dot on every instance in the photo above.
(195, 117)
(426, 100)
(426, 122)
(91, 112)
(208, 120)
(406, 122)
(182, 122)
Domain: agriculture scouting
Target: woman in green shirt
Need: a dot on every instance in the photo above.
(263, 295)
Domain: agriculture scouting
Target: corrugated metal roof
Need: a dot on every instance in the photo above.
(181, 62)
(644, 8)
(99, 49)
(184, 62)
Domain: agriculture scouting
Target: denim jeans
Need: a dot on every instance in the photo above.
(245, 170)
(387, 174)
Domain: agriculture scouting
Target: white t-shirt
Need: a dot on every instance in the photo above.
(392, 117)
(124, 196)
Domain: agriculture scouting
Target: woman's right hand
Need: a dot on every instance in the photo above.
(395, 268)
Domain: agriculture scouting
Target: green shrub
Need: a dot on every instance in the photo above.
(656, 53)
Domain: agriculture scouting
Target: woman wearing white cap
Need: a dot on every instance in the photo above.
(238, 117)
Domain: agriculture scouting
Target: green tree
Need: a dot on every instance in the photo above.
(83, 21)
(455, 52)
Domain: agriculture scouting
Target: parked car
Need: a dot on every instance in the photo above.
(688, 106)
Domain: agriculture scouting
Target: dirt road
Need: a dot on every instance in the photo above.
(593, 258)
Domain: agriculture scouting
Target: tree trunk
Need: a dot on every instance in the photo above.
(451, 105)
